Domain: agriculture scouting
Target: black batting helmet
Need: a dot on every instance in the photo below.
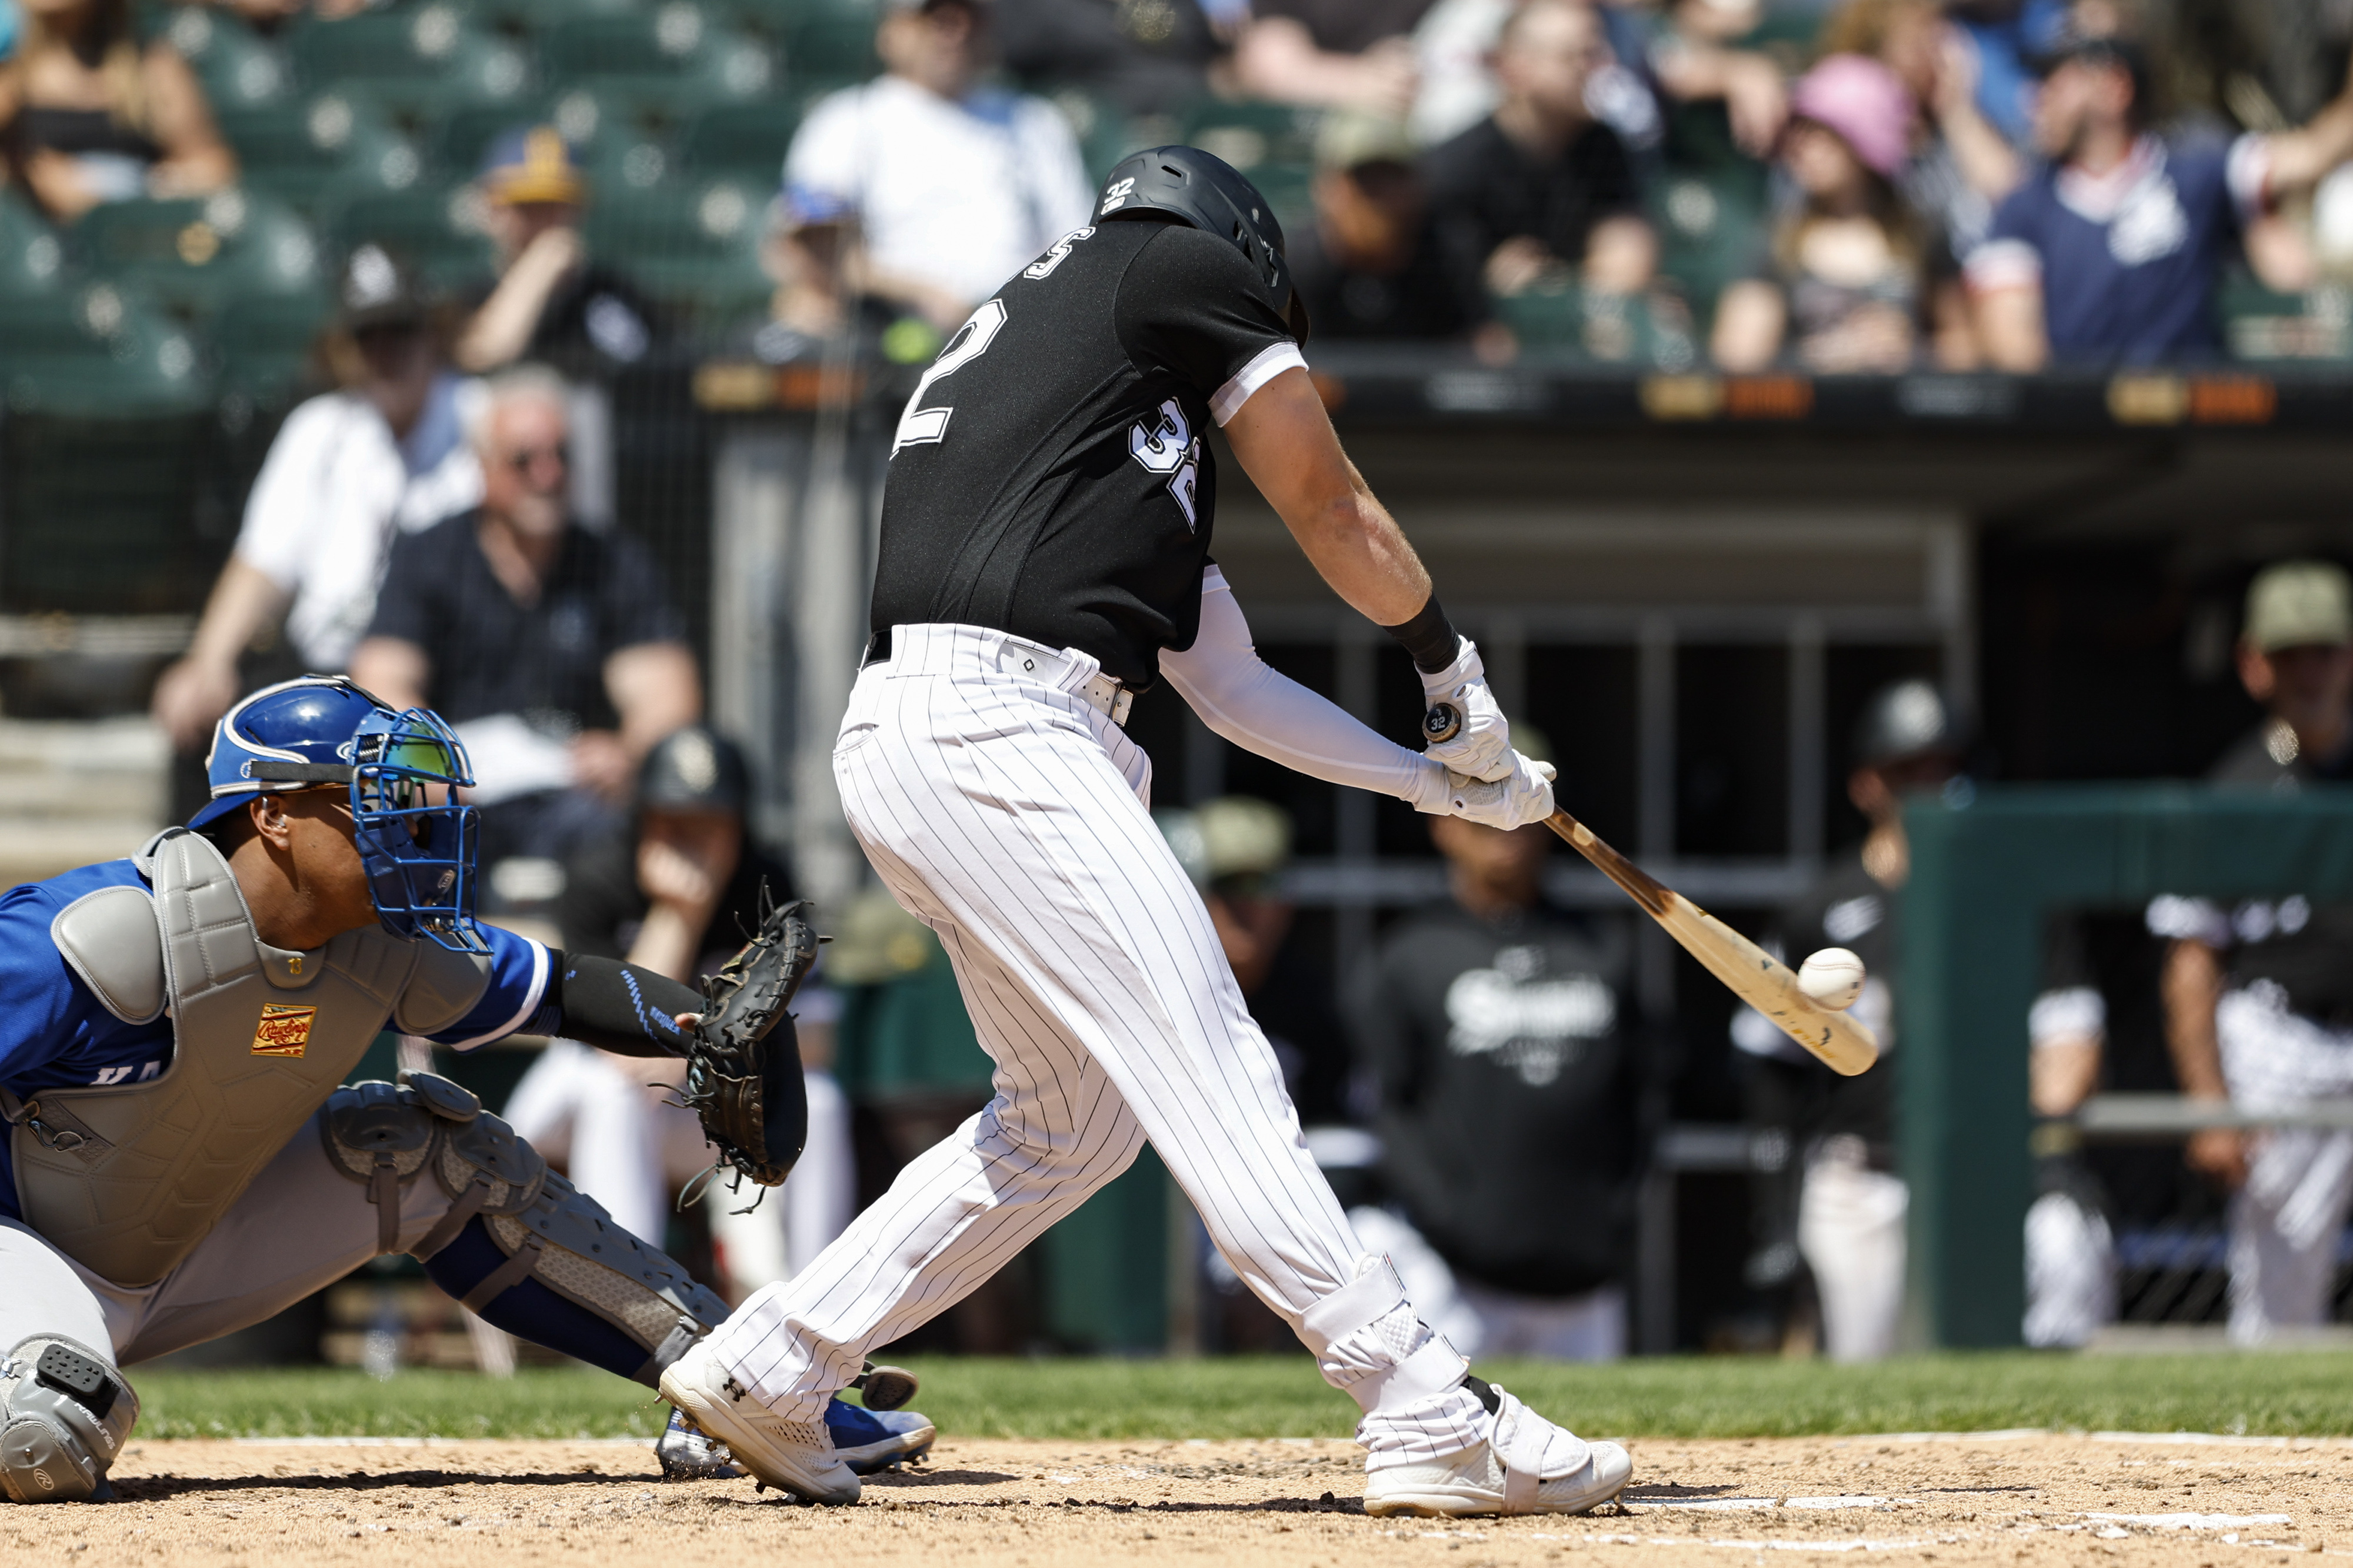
(1210, 195)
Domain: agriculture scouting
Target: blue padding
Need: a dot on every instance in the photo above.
(530, 1309)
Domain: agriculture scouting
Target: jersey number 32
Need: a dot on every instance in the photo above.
(1165, 444)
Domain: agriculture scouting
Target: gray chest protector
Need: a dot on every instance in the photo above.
(128, 1178)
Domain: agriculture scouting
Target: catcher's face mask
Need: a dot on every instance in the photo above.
(416, 843)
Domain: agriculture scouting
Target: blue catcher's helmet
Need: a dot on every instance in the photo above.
(418, 852)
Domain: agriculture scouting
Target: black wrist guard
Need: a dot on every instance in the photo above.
(618, 1006)
(1429, 636)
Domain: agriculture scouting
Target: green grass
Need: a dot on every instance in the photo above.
(2288, 1393)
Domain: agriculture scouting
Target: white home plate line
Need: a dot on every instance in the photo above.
(2193, 1521)
(1741, 1503)
(1859, 1543)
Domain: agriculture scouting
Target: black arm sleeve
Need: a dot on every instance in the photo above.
(618, 1006)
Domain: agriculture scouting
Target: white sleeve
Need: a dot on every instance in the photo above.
(1239, 698)
(825, 158)
(281, 514)
(1066, 197)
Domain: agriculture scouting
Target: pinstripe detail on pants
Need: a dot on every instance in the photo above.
(1011, 817)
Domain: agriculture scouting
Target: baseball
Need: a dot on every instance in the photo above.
(1831, 978)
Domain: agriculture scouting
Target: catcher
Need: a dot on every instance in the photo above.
(178, 1161)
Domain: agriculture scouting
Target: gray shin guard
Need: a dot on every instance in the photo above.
(64, 1413)
(382, 1137)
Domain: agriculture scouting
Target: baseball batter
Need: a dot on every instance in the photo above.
(1045, 554)
(179, 1162)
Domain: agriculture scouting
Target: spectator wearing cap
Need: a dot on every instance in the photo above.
(938, 188)
(1960, 164)
(1540, 189)
(2259, 997)
(673, 891)
(1830, 1210)
(1827, 1247)
(1845, 283)
(1371, 267)
(1498, 1032)
(90, 114)
(553, 650)
(553, 303)
(349, 471)
(2111, 252)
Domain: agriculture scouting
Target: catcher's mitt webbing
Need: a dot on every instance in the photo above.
(618, 1006)
(744, 1068)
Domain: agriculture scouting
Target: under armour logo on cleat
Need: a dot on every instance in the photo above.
(732, 1389)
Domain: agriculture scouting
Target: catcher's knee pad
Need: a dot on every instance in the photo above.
(64, 1413)
(543, 1228)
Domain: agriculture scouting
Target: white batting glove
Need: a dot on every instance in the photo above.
(1521, 797)
(1482, 749)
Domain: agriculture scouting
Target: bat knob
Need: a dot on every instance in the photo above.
(1440, 725)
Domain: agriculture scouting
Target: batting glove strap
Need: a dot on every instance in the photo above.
(1483, 748)
(1522, 796)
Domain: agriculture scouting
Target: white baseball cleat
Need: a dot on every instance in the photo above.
(1529, 1466)
(797, 1456)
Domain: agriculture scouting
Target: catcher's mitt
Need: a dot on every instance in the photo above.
(743, 1080)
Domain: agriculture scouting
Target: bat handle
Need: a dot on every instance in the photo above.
(1440, 725)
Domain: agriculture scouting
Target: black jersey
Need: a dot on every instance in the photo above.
(1048, 476)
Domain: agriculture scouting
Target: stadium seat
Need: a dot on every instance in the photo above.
(1711, 227)
(1572, 323)
(1103, 132)
(238, 69)
(2260, 324)
(744, 141)
(32, 258)
(193, 256)
(437, 229)
(460, 134)
(531, 17)
(263, 346)
(1274, 143)
(828, 39)
(293, 150)
(677, 48)
(412, 59)
(693, 245)
(106, 352)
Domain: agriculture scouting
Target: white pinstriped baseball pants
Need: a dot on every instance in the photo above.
(1011, 817)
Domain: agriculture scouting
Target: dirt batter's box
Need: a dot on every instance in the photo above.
(1985, 877)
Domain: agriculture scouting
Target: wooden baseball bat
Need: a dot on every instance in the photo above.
(1754, 975)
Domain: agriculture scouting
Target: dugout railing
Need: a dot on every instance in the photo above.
(1986, 877)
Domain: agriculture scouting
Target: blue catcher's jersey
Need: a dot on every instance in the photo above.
(54, 1033)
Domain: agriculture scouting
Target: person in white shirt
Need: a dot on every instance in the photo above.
(953, 187)
(349, 469)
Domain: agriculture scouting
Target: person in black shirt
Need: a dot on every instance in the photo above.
(1145, 56)
(1539, 188)
(1372, 267)
(1832, 1199)
(2259, 999)
(1045, 553)
(551, 303)
(553, 650)
(1497, 1030)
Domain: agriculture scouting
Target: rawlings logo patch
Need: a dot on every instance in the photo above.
(283, 1031)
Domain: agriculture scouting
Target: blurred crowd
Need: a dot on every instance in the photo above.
(1871, 185)
(1862, 185)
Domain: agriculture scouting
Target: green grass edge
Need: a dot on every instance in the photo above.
(2298, 1394)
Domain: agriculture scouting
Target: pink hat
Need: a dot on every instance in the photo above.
(1864, 102)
